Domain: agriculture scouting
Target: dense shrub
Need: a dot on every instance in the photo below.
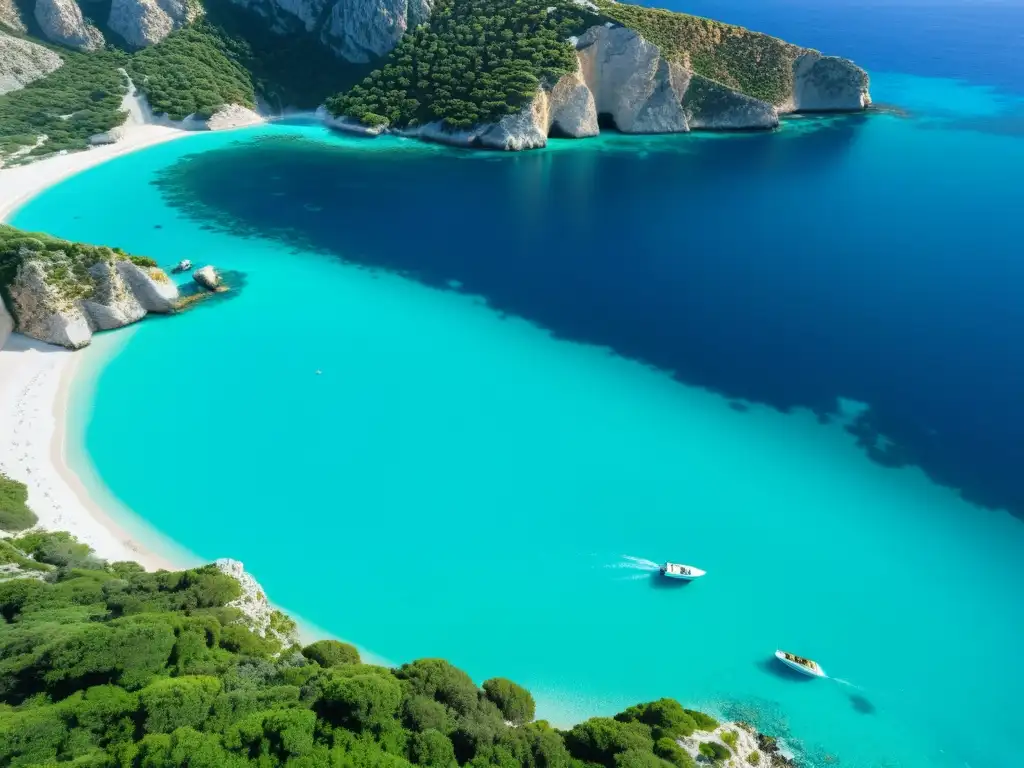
(432, 748)
(514, 701)
(331, 653)
(668, 749)
(754, 758)
(600, 739)
(14, 512)
(730, 738)
(666, 717)
(714, 751)
(474, 62)
(81, 98)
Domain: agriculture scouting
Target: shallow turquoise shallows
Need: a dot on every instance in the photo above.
(459, 482)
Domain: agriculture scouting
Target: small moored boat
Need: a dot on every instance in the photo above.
(800, 664)
(183, 266)
(684, 572)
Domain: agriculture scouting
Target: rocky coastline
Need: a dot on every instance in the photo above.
(623, 80)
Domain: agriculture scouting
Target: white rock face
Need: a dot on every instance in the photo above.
(62, 22)
(155, 291)
(145, 22)
(112, 305)
(233, 116)
(44, 313)
(645, 93)
(257, 611)
(527, 129)
(348, 124)
(10, 16)
(571, 108)
(828, 84)
(746, 744)
(21, 62)
(207, 277)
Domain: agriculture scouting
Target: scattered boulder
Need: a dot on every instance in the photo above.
(145, 22)
(22, 61)
(62, 22)
(207, 277)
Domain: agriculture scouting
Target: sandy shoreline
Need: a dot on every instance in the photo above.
(36, 381)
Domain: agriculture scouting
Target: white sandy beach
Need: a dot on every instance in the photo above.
(35, 381)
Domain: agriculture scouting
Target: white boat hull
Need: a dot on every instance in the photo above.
(681, 572)
(816, 671)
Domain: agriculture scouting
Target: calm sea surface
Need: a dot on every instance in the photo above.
(791, 359)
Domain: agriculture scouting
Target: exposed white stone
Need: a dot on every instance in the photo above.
(571, 107)
(62, 22)
(155, 291)
(348, 124)
(145, 22)
(22, 61)
(6, 323)
(233, 116)
(10, 16)
(207, 277)
(112, 304)
(359, 30)
(526, 129)
(257, 611)
(828, 84)
(44, 312)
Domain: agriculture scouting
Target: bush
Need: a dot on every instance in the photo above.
(638, 758)
(514, 701)
(432, 748)
(704, 722)
(420, 713)
(667, 749)
(754, 758)
(439, 680)
(666, 717)
(58, 548)
(474, 62)
(730, 738)
(184, 701)
(14, 512)
(599, 739)
(360, 701)
(331, 653)
(714, 751)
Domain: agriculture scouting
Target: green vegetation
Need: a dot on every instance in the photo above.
(14, 512)
(730, 738)
(68, 105)
(750, 62)
(475, 62)
(107, 666)
(714, 751)
(754, 758)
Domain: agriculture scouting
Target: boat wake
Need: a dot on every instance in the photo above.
(845, 682)
(635, 564)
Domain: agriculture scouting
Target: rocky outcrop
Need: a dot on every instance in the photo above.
(61, 21)
(145, 22)
(827, 84)
(233, 116)
(257, 612)
(207, 277)
(46, 312)
(642, 92)
(53, 302)
(112, 136)
(155, 291)
(357, 30)
(112, 304)
(348, 124)
(21, 62)
(571, 108)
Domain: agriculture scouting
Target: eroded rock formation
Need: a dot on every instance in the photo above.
(257, 612)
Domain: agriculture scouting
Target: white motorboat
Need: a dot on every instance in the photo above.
(684, 572)
(800, 664)
(183, 266)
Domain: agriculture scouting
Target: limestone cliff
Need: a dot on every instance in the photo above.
(6, 323)
(357, 30)
(61, 292)
(62, 22)
(22, 61)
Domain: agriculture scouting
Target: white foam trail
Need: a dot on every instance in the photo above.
(846, 682)
(640, 563)
(634, 577)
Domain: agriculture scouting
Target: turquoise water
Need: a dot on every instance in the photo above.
(463, 481)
